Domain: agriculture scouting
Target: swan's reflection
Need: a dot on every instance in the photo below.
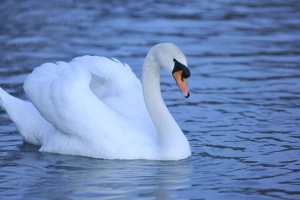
(54, 176)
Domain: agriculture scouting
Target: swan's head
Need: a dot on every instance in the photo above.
(170, 57)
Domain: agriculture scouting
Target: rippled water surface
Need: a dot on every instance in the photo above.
(242, 119)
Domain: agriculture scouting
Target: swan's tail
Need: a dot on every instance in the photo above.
(27, 119)
(11, 104)
(3, 97)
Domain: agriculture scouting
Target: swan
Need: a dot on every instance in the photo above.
(96, 107)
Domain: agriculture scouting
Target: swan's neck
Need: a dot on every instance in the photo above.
(173, 143)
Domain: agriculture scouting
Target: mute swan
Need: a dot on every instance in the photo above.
(96, 107)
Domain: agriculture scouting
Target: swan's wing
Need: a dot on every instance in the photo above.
(114, 83)
(81, 97)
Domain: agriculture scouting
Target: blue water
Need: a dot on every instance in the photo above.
(242, 118)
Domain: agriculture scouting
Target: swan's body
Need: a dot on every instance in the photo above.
(94, 106)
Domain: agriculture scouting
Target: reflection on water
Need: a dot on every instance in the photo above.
(86, 177)
(242, 119)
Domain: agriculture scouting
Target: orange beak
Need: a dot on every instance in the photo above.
(181, 82)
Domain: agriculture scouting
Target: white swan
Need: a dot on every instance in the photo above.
(96, 107)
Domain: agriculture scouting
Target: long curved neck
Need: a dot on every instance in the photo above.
(173, 143)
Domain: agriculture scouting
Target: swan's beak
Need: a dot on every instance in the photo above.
(181, 82)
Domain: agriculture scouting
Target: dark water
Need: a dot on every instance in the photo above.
(242, 119)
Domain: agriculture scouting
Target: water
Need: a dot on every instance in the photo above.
(242, 118)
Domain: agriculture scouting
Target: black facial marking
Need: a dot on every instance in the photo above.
(178, 67)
